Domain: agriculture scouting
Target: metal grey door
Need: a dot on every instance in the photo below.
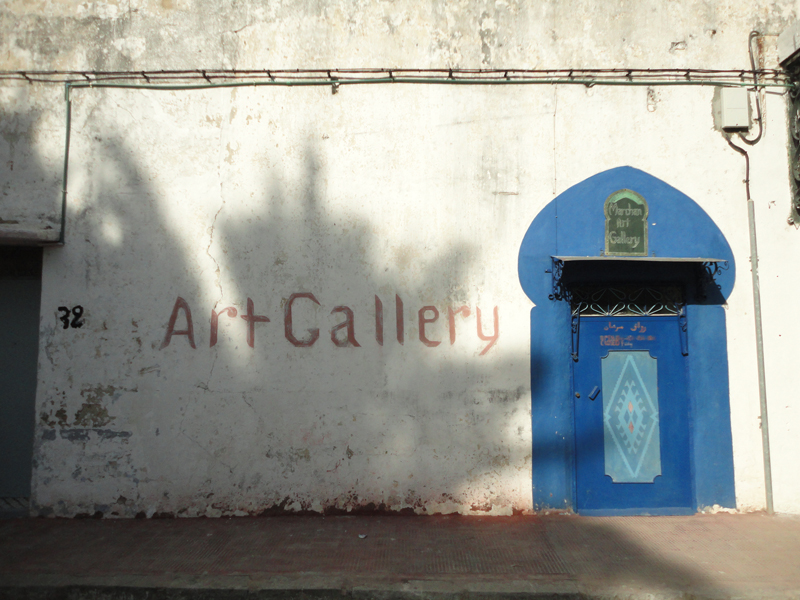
(20, 292)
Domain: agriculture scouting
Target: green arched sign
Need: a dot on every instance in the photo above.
(626, 224)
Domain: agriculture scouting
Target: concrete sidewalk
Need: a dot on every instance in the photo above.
(702, 556)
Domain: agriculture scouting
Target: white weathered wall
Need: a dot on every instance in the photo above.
(240, 195)
(419, 191)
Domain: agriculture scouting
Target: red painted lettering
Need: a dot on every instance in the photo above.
(423, 320)
(230, 311)
(488, 338)
(252, 319)
(180, 304)
(451, 317)
(348, 323)
(287, 322)
(610, 340)
(378, 321)
(398, 310)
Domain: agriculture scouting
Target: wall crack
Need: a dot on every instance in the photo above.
(207, 451)
(217, 270)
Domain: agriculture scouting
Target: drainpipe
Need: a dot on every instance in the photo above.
(68, 111)
(751, 221)
(762, 385)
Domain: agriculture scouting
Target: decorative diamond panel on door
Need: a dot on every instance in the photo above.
(630, 417)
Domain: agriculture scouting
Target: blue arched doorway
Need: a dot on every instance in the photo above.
(629, 374)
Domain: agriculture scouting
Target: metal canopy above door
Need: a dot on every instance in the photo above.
(677, 259)
(568, 270)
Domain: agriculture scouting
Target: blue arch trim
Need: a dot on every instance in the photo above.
(573, 224)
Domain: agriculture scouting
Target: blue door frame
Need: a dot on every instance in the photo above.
(679, 230)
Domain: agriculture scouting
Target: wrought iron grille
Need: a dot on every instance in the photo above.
(626, 300)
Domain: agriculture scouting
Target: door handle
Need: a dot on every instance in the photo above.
(593, 394)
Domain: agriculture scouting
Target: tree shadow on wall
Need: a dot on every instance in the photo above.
(129, 424)
(301, 399)
(353, 407)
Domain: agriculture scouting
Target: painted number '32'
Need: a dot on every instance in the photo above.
(77, 316)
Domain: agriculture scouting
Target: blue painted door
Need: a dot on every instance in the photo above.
(631, 417)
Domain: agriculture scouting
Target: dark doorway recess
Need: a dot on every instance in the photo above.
(20, 293)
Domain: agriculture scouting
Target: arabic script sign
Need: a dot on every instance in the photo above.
(626, 224)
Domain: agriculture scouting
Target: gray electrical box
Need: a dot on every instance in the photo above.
(732, 109)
